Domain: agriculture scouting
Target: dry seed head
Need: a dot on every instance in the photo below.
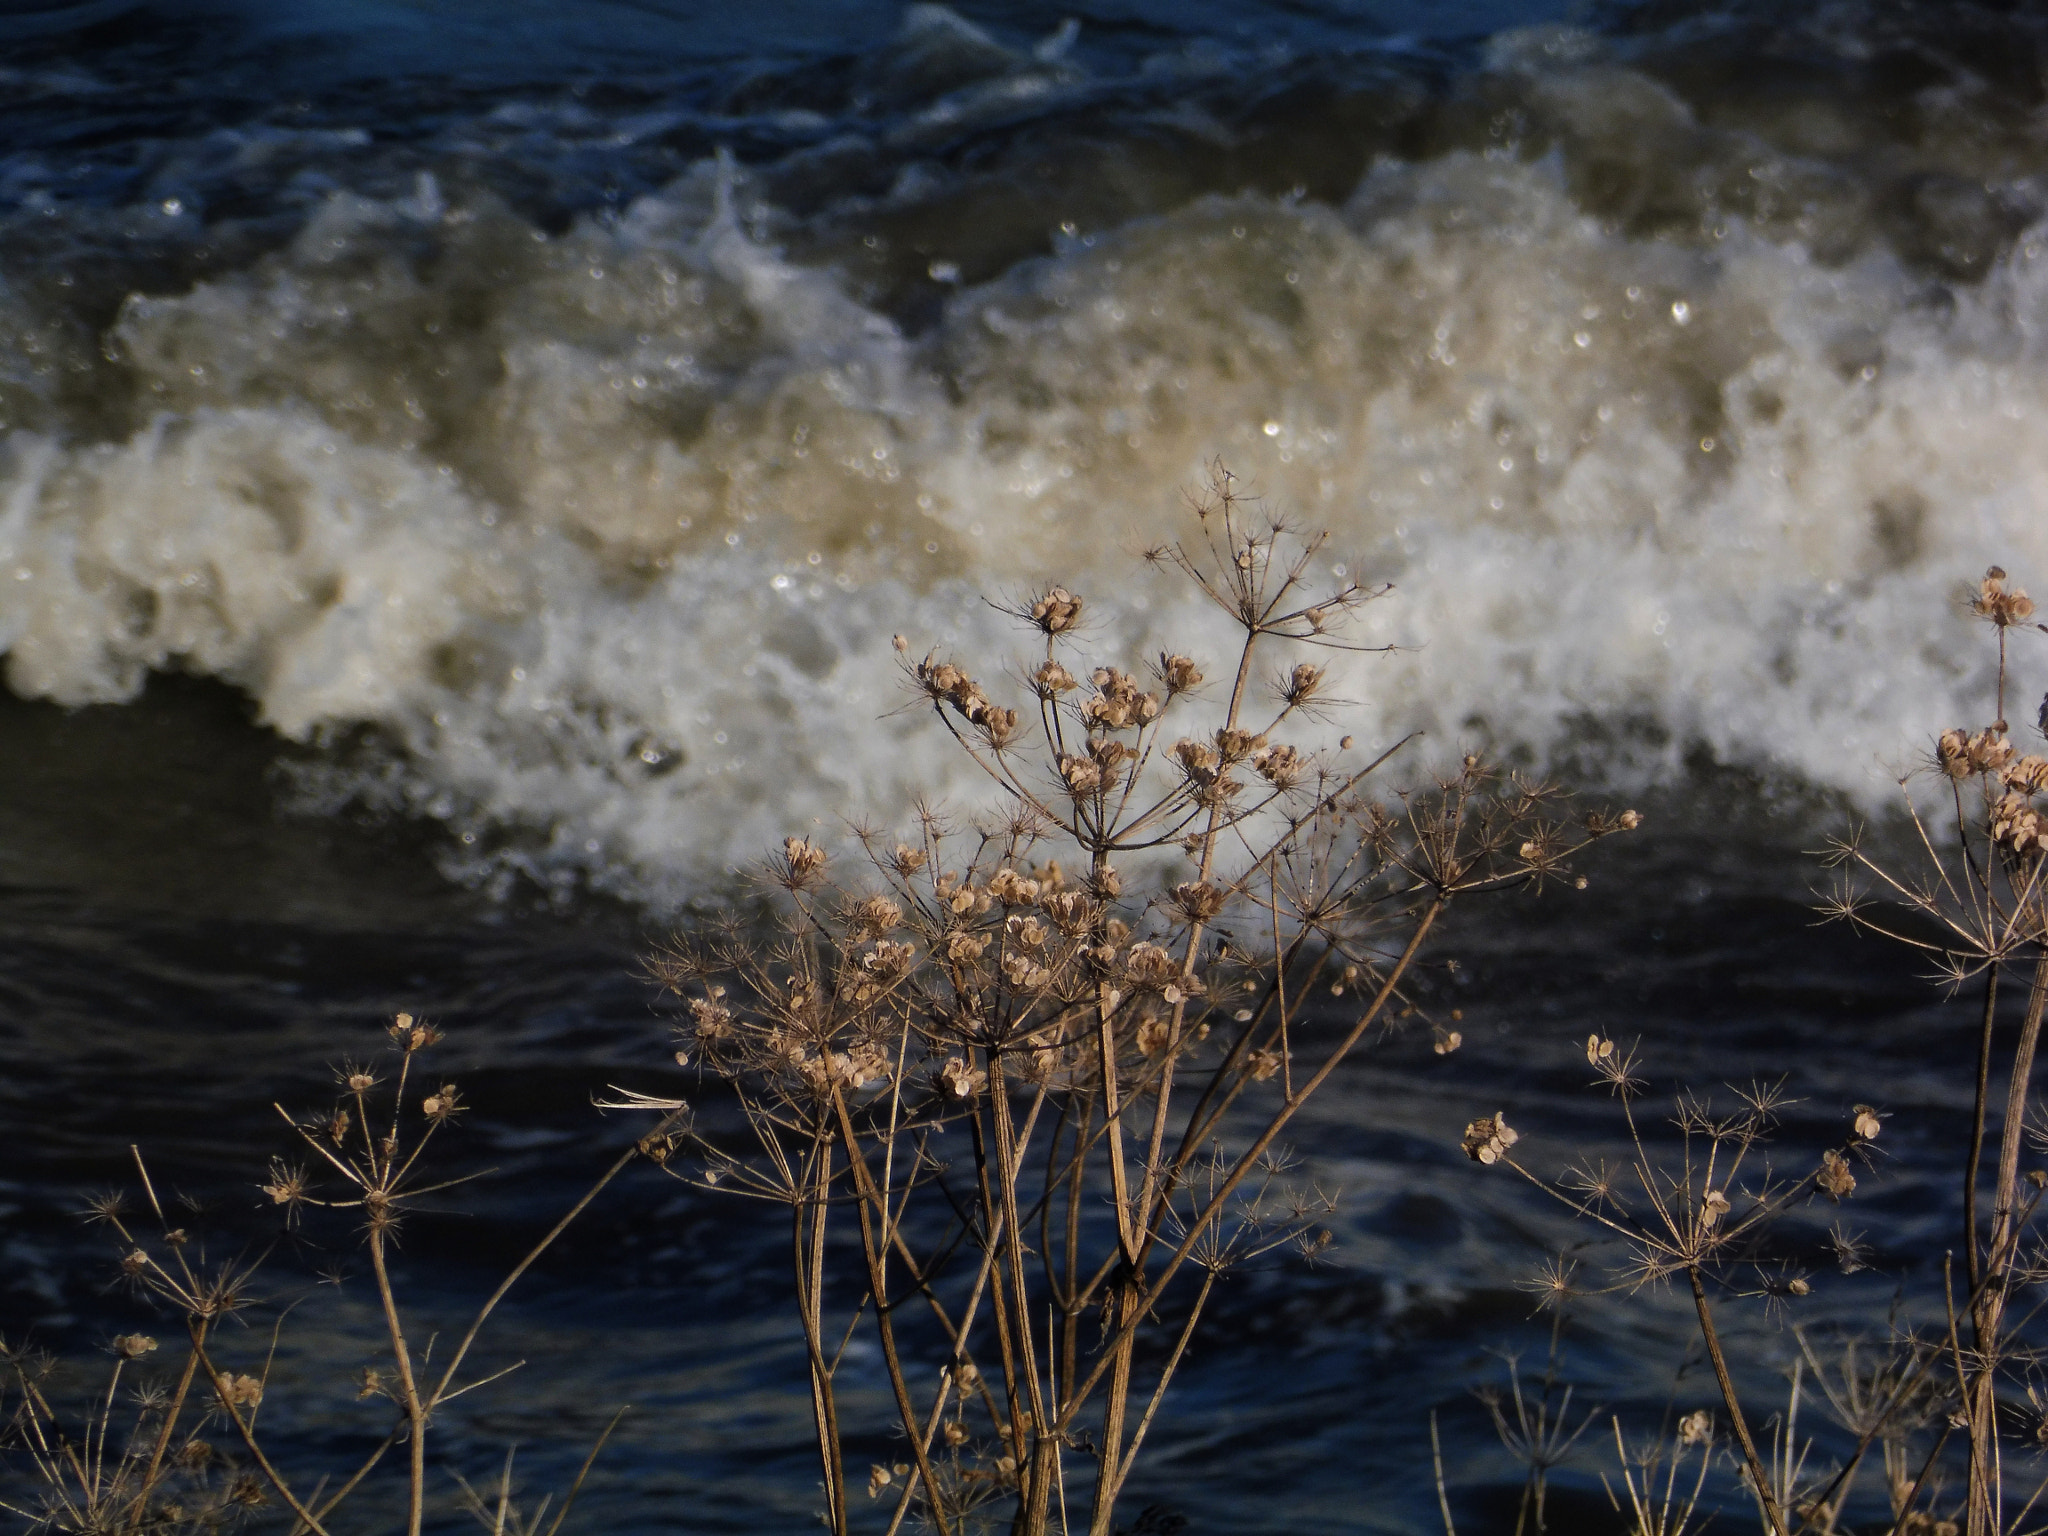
(1150, 966)
(1051, 680)
(907, 860)
(998, 725)
(958, 1080)
(1197, 900)
(1012, 889)
(194, 1455)
(877, 915)
(963, 946)
(1109, 754)
(134, 1263)
(1713, 1206)
(1488, 1138)
(1445, 1044)
(1025, 973)
(2002, 607)
(1056, 610)
(1302, 684)
(411, 1035)
(2017, 826)
(443, 1106)
(878, 1479)
(965, 900)
(1154, 1035)
(1834, 1179)
(1280, 766)
(1234, 745)
(900, 643)
(287, 1185)
(1962, 754)
(801, 860)
(1082, 775)
(1952, 752)
(1070, 911)
(1696, 1428)
(711, 1018)
(856, 1068)
(1867, 1124)
(240, 1391)
(888, 960)
(133, 1346)
(357, 1079)
(1178, 674)
(2029, 775)
(1027, 931)
(1264, 1064)
(1598, 1050)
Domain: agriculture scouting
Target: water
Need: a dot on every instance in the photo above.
(461, 468)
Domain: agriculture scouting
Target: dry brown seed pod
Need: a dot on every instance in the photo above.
(1302, 683)
(1056, 610)
(1834, 1178)
(240, 1391)
(960, 1081)
(1713, 1206)
(1178, 674)
(2002, 606)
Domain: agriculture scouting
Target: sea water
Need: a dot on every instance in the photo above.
(462, 468)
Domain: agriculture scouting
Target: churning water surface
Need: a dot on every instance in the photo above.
(461, 467)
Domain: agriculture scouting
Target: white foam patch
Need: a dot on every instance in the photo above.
(608, 532)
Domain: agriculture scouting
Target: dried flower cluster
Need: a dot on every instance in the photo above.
(985, 1034)
(1940, 1408)
(166, 1476)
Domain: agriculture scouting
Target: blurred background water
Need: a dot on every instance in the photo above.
(461, 466)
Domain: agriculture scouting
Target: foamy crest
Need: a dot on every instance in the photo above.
(606, 532)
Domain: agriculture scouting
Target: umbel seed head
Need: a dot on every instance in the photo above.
(1056, 610)
(2001, 606)
(1488, 1138)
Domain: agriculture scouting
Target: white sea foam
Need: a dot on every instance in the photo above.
(607, 532)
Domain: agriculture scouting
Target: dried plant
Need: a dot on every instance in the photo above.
(150, 1461)
(1700, 1200)
(1045, 1083)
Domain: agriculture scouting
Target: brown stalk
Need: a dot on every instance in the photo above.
(877, 1255)
(1760, 1482)
(415, 1409)
(248, 1437)
(1204, 1217)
